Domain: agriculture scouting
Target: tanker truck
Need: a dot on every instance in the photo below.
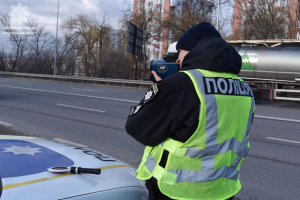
(277, 60)
(271, 67)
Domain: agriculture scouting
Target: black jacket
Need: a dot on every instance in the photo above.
(174, 111)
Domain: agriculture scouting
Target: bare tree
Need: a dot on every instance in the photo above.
(149, 21)
(265, 19)
(118, 64)
(30, 47)
(186, 13)
(103, 36)
(80, 25)
(86, 42)
(38, 42)
(16, 59)
(3, 62)
(44, 64)
(67, 54)
(92, 36)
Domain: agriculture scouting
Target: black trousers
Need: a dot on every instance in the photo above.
(155, 193)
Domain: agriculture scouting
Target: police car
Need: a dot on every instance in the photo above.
(35, 168)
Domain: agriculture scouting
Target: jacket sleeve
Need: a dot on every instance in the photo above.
(153, 120)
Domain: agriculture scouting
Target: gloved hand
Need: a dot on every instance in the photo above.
(154, 77)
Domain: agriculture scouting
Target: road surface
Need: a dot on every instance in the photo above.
(96, 115)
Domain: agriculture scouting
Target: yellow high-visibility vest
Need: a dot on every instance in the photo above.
(207, 165)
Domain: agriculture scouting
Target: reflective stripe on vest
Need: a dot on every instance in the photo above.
(207, 172)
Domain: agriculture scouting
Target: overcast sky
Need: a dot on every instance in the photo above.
(45, 11)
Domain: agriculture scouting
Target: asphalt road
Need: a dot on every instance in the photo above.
(96, 115)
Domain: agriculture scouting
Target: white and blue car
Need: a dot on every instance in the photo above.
(25, 164)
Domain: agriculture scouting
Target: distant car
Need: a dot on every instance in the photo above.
(25, 161)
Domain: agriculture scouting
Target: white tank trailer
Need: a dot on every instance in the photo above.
(266, 59)
(269, 59)
(271, 67)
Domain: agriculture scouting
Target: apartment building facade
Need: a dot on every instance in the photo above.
(162, 10)
(288, 9)
(159, 10)
(116, 39)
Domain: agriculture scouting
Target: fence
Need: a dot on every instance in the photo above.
(104, 81)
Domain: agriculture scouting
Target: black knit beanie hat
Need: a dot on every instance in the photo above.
(194, 34)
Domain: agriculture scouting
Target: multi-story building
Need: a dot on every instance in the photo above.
(159, 10)
(288, 10)
(116, 39)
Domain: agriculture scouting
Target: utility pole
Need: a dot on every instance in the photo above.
(55, 59)
(218, 12)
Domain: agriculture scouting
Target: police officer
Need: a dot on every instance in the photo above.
(195, 123)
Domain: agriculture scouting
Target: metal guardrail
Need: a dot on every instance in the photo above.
(139, 83)
(106, 81)
(269, 80)
(263, 41)
(275, 97)
(124, 81)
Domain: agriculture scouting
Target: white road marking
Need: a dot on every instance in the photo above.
(24, 83)
(83, 89)
(5, 123)
(283, 140)
(64, 141)
(276, 118)
(71, 94)
(81, 108)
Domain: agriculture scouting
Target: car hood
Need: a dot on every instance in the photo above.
(24, 162)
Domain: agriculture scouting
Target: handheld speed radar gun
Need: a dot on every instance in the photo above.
(168, 65)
